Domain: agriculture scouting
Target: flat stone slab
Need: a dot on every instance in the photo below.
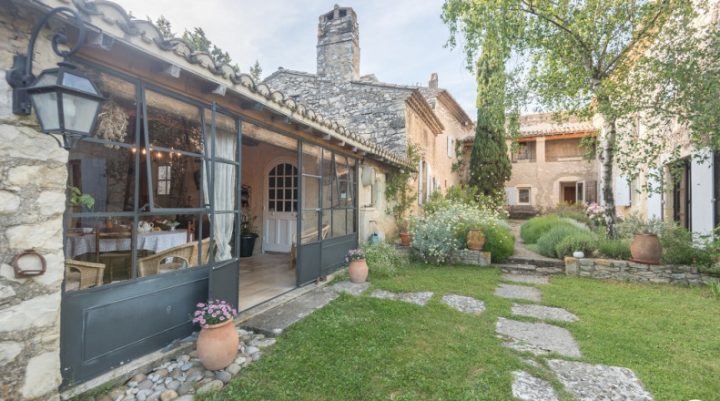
(526, 278)
(518, 292)
(543, 312)
(351, 288)
(588, 382)
(527, 387)
(464, 304)
(417, 298)
(275, 320)
(537, 338)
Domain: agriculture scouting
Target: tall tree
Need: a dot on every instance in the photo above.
(489, 163)
(590, 57)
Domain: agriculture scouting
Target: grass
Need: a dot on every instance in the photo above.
(368, 349)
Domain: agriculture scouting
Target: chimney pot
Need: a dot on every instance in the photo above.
(433, 83)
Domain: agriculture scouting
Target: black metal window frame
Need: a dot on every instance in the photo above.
(142, 135)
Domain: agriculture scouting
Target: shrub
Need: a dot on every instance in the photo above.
(383, 259)
(575, 212)
(585, 242)
(499, 241)
(614, 248)
(548, 241)
(679, 247)
(438, 234)
(531, 231)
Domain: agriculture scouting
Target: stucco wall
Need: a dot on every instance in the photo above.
(374, 216)
(33, 176)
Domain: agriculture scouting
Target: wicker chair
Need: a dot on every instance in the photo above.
(205, 246)
(85, 274)
(157, 263)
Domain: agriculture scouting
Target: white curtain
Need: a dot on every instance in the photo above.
(224, 198)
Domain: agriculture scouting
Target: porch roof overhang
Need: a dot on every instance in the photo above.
(106, 18)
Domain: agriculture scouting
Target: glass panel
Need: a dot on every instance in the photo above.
(311, 159)
(173, 124)
(98, 251)
(46, 108)
(104, 174)
(252, 134)
(79, 83)
(309, 227)
(338, 223)
(311, 192)
(351, 221)
(183, 187)
(341, 165)
(79, 112)
(170, 242)
(117, 119)
(326, 230)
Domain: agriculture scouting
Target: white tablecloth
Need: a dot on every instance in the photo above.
(154, 241)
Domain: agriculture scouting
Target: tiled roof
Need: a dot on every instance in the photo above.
(107, 15)
(545, 124)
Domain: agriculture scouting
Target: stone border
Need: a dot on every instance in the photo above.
(622, 270)
(460, 257)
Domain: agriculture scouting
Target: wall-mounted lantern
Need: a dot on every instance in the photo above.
(66, 102)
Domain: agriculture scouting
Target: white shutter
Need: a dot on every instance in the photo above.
(450, 147)
(622, 191)
(701, 193)
(420, 182)
(654, 198)
(428, 182)
(511, 195)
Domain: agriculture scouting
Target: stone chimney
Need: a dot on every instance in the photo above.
(433, 82)
(338, 46)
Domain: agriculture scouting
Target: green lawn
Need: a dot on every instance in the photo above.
(368, 349)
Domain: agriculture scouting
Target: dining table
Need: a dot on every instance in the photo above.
(104, 242)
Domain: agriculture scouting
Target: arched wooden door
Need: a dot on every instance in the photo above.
(280, 221)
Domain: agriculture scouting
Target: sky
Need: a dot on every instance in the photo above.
(401, 41)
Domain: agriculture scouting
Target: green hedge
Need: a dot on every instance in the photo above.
(585, 242)
(614, 248)
(548, 241)
(534, 228)
(499, 241)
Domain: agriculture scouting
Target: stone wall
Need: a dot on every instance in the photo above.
(33, 177)
(622, 270)
(470, 257)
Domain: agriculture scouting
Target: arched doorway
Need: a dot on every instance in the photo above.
(280, 217)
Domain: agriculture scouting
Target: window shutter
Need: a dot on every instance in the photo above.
(622, 191)
(511, 195)
(654, 197)
(701, 193)
(450, 147)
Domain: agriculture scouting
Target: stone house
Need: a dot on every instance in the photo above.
(549, 167)
(179, 157)
(390, 115)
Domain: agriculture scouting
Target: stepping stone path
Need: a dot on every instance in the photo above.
(348, 287)
(585, 382)
(599, 382)
(543, 312)
(417, 298)
(527, 387)
(526, 278)
(274, 321)
(518, 292)
(537, 338)
(183, 377)
(464, 304)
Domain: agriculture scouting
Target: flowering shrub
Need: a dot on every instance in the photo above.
(213, 312)
(596, 214)
(383, 259)
(444, 230)
(354, 254)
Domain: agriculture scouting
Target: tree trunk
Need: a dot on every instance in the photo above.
(608, 157)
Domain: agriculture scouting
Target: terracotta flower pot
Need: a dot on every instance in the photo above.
(405, 238)
(646, 248)
(358, 271)
(476, 240)
(217, 345)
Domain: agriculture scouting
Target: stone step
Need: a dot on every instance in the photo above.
(536, 261)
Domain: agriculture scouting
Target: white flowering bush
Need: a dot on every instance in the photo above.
(444, 230)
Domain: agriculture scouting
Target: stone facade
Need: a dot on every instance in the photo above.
(32, 201)
(622, 270)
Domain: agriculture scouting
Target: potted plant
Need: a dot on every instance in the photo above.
(358, 269)
(475, 239)
(645, 246)
(218, 341)
(405, 235)
(248, 235)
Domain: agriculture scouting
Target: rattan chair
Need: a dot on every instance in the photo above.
(306, 237)
(206, 248)
(170, 259)
(85, 274)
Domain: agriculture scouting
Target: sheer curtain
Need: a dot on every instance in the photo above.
(224, 198)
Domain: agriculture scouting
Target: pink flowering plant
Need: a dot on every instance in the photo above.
(596, 214)
(213, 312)
(354, 254)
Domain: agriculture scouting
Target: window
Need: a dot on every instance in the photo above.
(450, 147)
(139, 201)
(524, 196)
(525, 151)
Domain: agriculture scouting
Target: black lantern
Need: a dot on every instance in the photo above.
(65, 101)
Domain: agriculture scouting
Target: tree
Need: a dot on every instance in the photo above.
(592, 57)
(489, 163)
(256, 71)
(199, 42)
(165, 27)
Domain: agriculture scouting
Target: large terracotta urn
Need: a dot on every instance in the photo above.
(358, 271)
(475, 240)
(405, 238)
(646, 248)
(217, 345)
